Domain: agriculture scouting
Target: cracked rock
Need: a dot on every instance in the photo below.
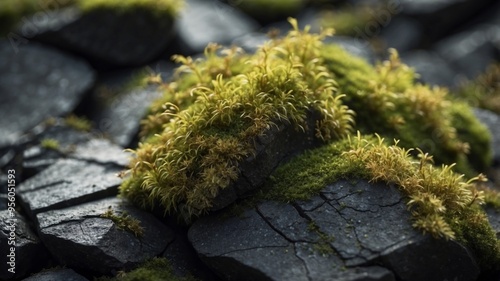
(15, 232)
(72, 144)
(81, 239)
(352, 230)
(37, 82)
(66, 183)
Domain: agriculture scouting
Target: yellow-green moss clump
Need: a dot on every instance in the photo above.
(50, 143)
(198, 150)
(484, 91)
(207, 122)
(152, 270)
(124, 221)
(443, 203)
(388, 101)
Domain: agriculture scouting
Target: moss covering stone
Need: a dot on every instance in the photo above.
(388, 101)
(442, 202)
(196, 135)
(199, 149)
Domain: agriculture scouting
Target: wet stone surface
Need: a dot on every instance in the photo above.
(66, 183)
(16, 232)
(348, 228)
(37, 82)
(81, 238)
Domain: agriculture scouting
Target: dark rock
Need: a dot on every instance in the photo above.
(16, 233)
(65, 274)
(202, 22)
(73, 144)
(431, 68)
(471, 51)
(402, 33)
(37, 82)
(120, 118)
(66, 183)
(337, 235)
(129, 37)
(81, 239)
(492, 122)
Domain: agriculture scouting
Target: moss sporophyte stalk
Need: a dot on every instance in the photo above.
(207, 123)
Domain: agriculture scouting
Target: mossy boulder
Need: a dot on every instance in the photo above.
(208, 128)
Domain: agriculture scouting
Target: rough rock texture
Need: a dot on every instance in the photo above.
(130, 38)
(16, 232)
(37, 82)
(73, 144)
(340, 234)
(120, 119)
(66, 183)
(80, 238)
(207, 21)
(492, 121)
(65, 274)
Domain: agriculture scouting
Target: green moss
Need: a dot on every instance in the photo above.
(300, 178)
(78, 123)
(387, 101)
(152, 270)
(199, 148)
(442, 202)
(124, 221)
(51, 144)
(484, 91)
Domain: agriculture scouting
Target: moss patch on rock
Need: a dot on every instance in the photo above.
(442, 202)
(209, 118)
(388, 101)
(199, 149)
